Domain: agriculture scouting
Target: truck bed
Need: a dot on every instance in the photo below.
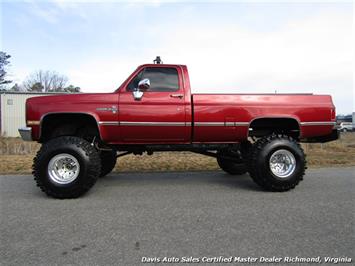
(229, 116)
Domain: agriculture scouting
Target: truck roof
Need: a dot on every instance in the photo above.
(161, 65)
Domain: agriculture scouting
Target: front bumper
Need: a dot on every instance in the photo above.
(322, 139)
(26, 133)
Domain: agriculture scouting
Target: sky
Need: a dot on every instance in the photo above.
(229, 46)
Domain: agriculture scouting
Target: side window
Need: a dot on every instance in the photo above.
(161, 79)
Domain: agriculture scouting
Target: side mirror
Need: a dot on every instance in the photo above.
(143, 85)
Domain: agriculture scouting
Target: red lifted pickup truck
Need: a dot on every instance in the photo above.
(153, 110)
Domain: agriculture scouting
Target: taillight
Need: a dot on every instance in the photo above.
(332, 116)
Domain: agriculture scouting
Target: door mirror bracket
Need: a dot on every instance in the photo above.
(137, 94)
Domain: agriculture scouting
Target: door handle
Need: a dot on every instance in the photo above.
(180, 96)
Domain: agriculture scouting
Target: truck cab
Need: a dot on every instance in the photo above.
(163, 105)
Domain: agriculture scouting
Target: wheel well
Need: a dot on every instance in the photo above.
(266, 126)
(71, 124)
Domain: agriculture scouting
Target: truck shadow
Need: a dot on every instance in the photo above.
(242, 182)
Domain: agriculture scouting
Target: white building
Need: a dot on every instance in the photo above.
(12, 111)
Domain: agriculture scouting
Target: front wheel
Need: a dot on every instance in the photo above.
(277, 163)
(232, 167)
(66, 167)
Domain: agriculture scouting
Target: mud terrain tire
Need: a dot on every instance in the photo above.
(277, 163)
(54, 163)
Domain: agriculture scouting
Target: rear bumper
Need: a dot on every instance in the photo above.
(26, 133)
(321, 139)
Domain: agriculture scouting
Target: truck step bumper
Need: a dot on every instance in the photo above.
(26, 133)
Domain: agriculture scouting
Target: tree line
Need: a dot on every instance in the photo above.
(38, 81)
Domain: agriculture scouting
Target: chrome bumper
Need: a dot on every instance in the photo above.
(26, 133)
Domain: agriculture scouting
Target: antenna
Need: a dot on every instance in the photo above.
(157, 60)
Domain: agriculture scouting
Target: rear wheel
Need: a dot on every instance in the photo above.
(108, 162)
(277, 163)
(66, 167)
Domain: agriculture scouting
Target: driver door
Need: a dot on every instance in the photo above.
(159, 116)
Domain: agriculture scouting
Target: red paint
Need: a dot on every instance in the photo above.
(154, 107)
(161, 107)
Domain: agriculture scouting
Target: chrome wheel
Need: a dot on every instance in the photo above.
(282, 163)
(63, 168)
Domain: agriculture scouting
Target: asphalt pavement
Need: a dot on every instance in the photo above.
(130, 217)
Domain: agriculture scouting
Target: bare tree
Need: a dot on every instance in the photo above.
(4, 61)
(72, 88)
(45, 81)
(16, 87)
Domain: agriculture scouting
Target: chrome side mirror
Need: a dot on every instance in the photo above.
(143, 85)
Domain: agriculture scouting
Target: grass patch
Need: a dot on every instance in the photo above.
(17, 156)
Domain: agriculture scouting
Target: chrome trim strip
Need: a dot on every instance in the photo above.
(242, 124)
(172, 124)
(109, 123)
(129, 123)
(33, 122)
(221, 124)
(318, 123)
(209, 124)
(159, 124)
(229, 124)
(205, 124)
